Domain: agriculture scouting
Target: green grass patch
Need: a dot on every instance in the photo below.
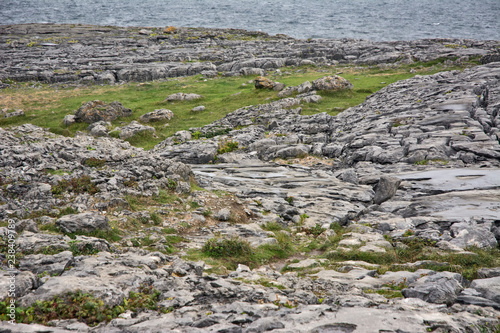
(229, 252)
(112, 236)
(46, 106)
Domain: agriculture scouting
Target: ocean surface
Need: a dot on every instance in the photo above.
(363, 19)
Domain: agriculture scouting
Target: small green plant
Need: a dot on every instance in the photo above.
(272, 226)
(157, 220)
(171, 184)
(80, 249)
(289, 200)
(226, 247)
(303, 218)
(315, 231)
(227, 146)
(68, 211)
(76, 185)
(422, 162)
(94, 162)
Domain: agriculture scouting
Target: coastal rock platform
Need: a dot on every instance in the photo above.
(415, 167)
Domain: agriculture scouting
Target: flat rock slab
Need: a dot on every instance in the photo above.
(447, 180)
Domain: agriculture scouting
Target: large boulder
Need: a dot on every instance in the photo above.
(157, 115)
(331, 83)
(95, 111)
(83, 222)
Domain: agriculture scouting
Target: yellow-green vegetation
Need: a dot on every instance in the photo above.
(46, 106)
(229, 252)
(226, 253)
(83, 307)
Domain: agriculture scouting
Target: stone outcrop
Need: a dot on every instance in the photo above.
(94, 111)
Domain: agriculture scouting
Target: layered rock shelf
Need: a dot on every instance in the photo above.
(95, 54)
(417, 162)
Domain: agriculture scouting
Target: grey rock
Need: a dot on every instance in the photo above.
(264, 325)
(157, 115)
(83, 222)
(95, 111)
(331, 83)
(386, 188)
(69, 120)
(441, 288)
(51, 264)
(223, 214)
(182, 97)
(484, 273)
(198, 108)
(134, 128)
(488, 288)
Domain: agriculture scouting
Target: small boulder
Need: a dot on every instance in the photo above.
(331, 83)
(134, 128)
(198, 108)
(182, 97)
(83, 222)
(14, 114)
(95, 111)
(99, 129)
(157, 115)
(304, 87)
(223, 214)
(69, 120)
(265, 83)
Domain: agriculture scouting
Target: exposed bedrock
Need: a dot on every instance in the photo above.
(95, 54)
(421, 155)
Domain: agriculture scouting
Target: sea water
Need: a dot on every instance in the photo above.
(363, 19)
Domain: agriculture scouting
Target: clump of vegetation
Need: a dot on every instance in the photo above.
(226, 247)
(315, 231)
(94, 162)
(76, 185)
(83, 307)
(79, 249)
(227, 146)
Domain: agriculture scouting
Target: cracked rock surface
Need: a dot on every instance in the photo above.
(418, 160)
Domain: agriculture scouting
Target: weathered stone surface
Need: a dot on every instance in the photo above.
(385, 189)
(437, 135)
(182, 97)
(95, 111)
(51, 264)
(441, 288)
(261, 82)
(157, 115)
(134, 128)
(331, 83)
(83, 222)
